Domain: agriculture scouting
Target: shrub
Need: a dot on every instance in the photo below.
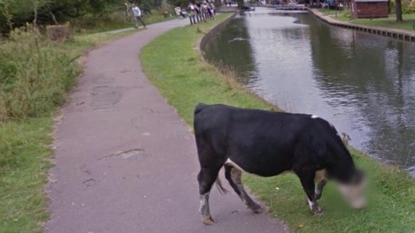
(347, 13)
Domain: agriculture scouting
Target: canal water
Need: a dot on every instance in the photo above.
(362, 83)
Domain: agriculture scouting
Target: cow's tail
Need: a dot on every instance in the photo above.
(199, 108)
(220, 187)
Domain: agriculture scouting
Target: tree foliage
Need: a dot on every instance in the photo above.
(18, 12)
(402, 7)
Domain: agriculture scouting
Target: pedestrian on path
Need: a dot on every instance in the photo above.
(137, 16)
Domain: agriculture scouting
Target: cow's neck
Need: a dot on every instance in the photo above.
(341, 167)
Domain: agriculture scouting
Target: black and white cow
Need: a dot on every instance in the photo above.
(267, 144)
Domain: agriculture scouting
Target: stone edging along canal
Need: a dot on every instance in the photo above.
(389, 32)
(205, 39)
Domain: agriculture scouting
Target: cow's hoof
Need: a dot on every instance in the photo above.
(259, 210)
(208, 221)
(256, 208)
(318, 211)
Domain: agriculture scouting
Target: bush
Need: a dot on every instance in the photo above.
(347, 13)
(35, 74)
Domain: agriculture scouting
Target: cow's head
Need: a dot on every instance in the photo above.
(353, 190)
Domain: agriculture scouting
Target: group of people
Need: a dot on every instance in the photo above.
(205, 7)
(327, 5)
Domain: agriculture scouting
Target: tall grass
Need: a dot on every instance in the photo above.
(35, 74)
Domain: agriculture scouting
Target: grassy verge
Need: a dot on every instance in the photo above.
(35, 76)
(94, 24)
(185, 80)
(408, 24)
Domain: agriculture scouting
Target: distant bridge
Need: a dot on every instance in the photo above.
(289, 8)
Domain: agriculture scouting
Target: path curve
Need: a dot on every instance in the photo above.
(151, 187)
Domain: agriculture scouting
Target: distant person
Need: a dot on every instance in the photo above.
(137, 16)
(177, 9)
(180, 12)
(213, 9)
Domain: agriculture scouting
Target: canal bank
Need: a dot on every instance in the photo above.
(389, 32)
(184, 80)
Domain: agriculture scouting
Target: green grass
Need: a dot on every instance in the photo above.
(408, 24)
(94, 24)
(33, 80)
(24, 153)
(185, 80)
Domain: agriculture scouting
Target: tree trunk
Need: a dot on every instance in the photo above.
(398, 10)
(389, 7)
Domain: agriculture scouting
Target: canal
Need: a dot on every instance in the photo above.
(362, 83)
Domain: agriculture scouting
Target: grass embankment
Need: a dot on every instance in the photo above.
(407, 24)
(35, 75)
(185, 80)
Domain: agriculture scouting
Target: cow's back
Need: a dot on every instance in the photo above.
(254, 139)
(264, 142)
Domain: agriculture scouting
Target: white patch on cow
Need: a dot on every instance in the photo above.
(314, 116)
(310, 204)
(320, 175)
(233, 164)
(203, 202)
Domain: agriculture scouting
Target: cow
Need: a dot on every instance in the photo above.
(266, 144)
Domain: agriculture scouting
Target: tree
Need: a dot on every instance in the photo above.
(398, 10)
(18, 12)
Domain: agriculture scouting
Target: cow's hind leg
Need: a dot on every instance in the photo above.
(233, 175)
(206, 178)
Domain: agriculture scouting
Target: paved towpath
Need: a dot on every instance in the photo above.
(151, 187)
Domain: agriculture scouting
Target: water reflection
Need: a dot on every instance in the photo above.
(364, 84)
(232, 48)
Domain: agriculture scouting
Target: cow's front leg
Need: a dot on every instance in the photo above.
(307, 181)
